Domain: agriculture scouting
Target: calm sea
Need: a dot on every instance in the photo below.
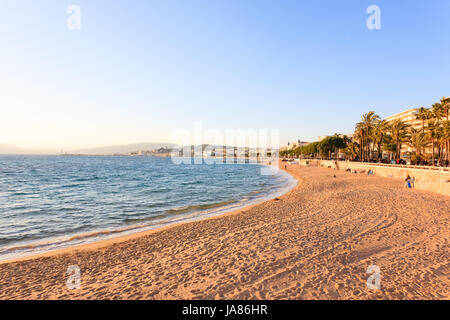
(52, 202)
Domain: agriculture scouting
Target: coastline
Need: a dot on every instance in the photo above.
(97, 244)
(315, 242)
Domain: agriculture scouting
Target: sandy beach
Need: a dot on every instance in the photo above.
(316, 242)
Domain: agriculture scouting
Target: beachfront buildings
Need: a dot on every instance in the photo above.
(294, 145)
(410, 118)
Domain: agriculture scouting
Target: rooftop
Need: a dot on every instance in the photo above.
(403, 113)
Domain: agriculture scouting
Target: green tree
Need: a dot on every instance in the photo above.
(352, 150)
(437, 112)
(418, 141)
(445, 103)
(331, 145)
(446, 136)
(310, 149)
(424, 114)
(432, 131)
(391, 148)
(380, 131)
(364, 130)
(399, 132)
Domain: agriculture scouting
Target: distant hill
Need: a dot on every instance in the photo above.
(10, 149)
(109, 150)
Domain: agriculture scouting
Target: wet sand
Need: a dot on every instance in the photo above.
(316, 242)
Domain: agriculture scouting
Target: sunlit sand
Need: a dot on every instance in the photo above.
(314, 243)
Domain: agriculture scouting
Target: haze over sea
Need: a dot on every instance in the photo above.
(51, 202)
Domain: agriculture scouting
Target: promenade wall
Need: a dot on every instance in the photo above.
(425, 178)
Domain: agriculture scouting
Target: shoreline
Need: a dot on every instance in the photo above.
(315, 242)
(101, 243)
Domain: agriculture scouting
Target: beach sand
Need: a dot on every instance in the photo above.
(316, 242)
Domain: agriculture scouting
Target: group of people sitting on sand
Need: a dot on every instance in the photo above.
(356, 171)
(409, 182)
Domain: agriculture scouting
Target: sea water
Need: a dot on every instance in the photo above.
(52, 202)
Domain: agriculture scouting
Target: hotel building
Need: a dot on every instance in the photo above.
(408, 117)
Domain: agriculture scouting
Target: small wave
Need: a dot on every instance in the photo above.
(23, 193)
(39, 240)
(138, 220)
(188, 183)
(62, 241)
(95, 234)
(69, 209)
(160, 190)
(200, 207)
(87, 179)
(73, 185)
(152, 205)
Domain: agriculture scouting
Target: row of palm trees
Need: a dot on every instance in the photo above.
(374, 135)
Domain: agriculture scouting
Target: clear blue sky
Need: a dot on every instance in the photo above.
(139, 68)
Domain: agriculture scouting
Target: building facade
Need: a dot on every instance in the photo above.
(410, 118)
(294, 145)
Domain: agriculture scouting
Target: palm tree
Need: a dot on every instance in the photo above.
(352, 150)
(445, 103)
(359, 135)
(399, 132)
(364, 130)
(418, 141)
(390, 147)
(441, 141)
(446, 136)
(424, 115)
(437, 111)
(379, 135)
(432, 130)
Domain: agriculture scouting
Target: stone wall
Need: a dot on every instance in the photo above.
(436, 180)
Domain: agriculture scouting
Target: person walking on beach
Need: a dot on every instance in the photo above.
(408, 182)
